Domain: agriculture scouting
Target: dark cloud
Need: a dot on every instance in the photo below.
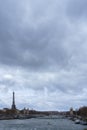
(77, 9)
(34, 46)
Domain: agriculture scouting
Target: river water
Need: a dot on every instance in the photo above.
(40, 124)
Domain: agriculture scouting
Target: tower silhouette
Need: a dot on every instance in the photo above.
(13, 102)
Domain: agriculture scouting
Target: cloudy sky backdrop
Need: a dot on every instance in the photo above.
(43, 53)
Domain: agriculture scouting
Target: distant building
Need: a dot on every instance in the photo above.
(5, 109)
(13, 102)
(71, 111)
(26, 111)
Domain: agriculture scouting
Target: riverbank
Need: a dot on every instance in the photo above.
(78, 119)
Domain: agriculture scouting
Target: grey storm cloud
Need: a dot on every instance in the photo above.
(77, 9)
(32, 43)
(43, 53)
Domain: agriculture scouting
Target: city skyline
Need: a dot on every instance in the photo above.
(43, 50)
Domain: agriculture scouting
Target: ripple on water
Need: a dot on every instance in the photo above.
(40, 124)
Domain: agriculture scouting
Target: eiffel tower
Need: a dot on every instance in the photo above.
(13, 102)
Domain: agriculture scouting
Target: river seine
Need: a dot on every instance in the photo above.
(40, 124)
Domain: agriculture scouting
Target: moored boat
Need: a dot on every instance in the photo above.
(77, 121)
(83, 122)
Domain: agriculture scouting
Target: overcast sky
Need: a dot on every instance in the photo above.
(43, 53)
